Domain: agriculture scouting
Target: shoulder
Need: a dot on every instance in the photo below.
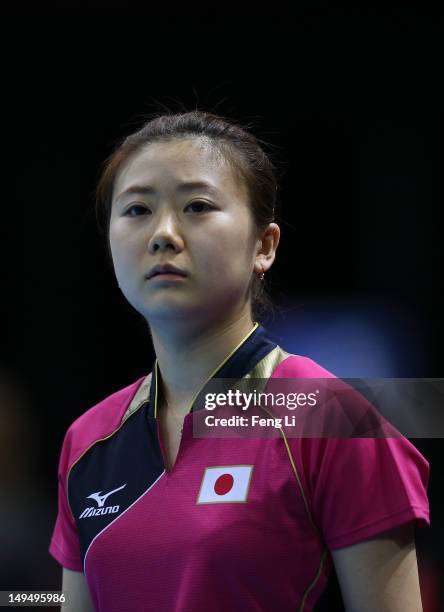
(298, 366)
(97, 423)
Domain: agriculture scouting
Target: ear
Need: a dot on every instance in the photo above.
(267, 245)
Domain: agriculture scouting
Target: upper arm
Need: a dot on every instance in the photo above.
(75, 587)
(380, 573)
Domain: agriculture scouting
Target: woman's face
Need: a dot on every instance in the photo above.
(160, 215)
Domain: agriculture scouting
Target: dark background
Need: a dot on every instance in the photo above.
(350, 103)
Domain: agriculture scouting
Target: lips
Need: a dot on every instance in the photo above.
(165, 269)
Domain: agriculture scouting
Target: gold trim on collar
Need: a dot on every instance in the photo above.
(142, 395)
(267, 365)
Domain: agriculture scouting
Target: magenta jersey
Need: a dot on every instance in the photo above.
(243, 525)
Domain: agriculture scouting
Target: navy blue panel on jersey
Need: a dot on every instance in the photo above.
(130, 458)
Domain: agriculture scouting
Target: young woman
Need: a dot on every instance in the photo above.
(151, 518)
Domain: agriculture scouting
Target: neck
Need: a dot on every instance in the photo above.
(186, 360)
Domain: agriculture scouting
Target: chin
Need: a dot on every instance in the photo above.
(166, 310)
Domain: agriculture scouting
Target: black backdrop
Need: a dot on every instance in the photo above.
(350, 103)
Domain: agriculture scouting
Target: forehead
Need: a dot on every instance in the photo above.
(164, 165)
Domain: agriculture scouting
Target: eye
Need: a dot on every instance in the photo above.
(136, 210)
(199, 204)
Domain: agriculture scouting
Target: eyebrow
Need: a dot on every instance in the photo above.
(183, 187)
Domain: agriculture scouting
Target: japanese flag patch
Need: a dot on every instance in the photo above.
(223, 484)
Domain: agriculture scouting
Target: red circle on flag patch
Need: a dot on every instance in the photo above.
(224, 484)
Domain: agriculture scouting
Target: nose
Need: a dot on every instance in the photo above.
(165, 235)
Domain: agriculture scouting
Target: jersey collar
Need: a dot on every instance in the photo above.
(244, 357)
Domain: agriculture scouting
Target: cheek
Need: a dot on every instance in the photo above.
(116, 251)
(122, 250)
(228, 253)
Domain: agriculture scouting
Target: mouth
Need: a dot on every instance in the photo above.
(168, 276)
(165, 271)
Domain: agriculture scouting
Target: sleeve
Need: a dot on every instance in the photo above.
(364, 486)
(64, 545)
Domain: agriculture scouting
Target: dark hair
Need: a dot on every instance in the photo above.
(238, 147)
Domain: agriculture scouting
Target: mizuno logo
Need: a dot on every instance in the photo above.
(100, 499)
